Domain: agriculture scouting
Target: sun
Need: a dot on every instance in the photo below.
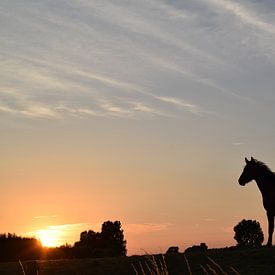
(49, 237)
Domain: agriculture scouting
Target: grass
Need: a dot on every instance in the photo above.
(22, 268)
(155, 265)
(220, 261)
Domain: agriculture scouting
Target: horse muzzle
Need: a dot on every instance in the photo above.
(242, 183)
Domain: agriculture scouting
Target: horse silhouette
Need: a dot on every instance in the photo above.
(265, 179)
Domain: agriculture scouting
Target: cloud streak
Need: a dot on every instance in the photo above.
(143, 228)
(34, 111)
(180, 104)
(45, 216)
(242, 13)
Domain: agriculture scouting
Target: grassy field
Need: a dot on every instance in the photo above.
(254, 261)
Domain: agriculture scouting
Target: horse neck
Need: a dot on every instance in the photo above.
(263, 181)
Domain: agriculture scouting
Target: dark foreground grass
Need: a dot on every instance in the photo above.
(220, 261)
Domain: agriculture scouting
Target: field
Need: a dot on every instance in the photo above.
(222, 261)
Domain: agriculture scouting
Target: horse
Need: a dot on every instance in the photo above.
(265, 179)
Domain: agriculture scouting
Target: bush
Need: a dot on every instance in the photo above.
(172, 249)
(197, 248)
(248, 233)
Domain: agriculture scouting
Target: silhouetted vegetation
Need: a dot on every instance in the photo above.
(248, 233)
(172, 249)
(213, 261)
(195, 248)
(62, 252)
(108, 243)
(13, 247)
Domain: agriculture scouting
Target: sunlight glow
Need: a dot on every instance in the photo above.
(50, 237)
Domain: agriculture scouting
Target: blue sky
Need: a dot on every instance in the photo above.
(171, 91)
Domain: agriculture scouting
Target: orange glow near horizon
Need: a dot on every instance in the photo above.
(50, 237)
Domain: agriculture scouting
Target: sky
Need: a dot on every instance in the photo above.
(138, 111)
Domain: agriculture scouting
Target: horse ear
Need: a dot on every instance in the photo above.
(252, 159)
(246, 160)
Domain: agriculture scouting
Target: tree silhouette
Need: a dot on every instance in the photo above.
(248, 233)
(108, 243)
(13, 247)
(112, 237)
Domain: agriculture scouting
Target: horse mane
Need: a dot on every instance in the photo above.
(263, 166)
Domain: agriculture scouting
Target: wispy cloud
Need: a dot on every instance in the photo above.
(142, 228)
(237, 143)
(6, 109)
(77, 111)
(137, 23)
(114, 110)
(143, 108)
(121, 74)
(45, 216)
(205, 81)
(39, 111)
(32, 111)
(69, 226)
(181, 104)
(244, 14)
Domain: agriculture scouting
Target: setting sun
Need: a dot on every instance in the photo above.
(49, 237)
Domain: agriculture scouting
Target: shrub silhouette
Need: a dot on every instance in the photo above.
(172, 250)
(197, 248)
(248, 233)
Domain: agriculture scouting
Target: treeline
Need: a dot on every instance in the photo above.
(13, 247)
(107, 243)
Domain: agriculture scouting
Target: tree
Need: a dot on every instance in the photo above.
(108, 243)
(248, 233)
(113, 237)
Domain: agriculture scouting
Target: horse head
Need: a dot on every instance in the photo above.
(249, 172)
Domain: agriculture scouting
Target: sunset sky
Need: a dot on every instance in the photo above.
(138, 111)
